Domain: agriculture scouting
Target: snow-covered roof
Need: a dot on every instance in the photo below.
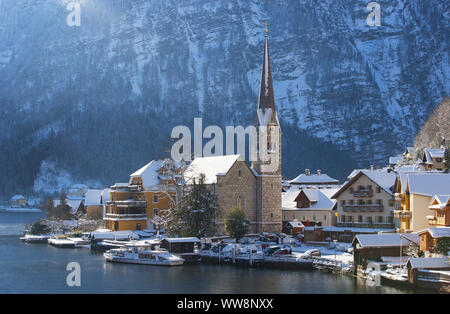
(319, 199)
(429, 154)
(106, 195)
(351, 229)
(430, 262)
(429, 183)
(74, 204)
(383, 178)
(438, 232)
(93, 197)
(395, 160)
(17, 197)
(296, 224)
(386, 240)
(149, 174)
(313, 179)
(181, 240)
(211, 167)
(409, 150)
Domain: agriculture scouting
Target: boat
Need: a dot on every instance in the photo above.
(30, 238)
(80, 242)
(143, 256)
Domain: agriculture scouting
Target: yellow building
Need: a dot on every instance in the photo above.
(133, 204)
(93, 204)
(413, 193)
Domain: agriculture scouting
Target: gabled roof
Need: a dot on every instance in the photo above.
(440, 201)
(181, 240)
(93, 197)
(73, 204)
(311, 179)
(430, 262)
(211, 167)
(295, 224)
(149, 174)
(439, 232)
(428, 184)
(382, 178)
(17, 197)
(395, 160)
(385, 240)
(319, 199)
(429, 153)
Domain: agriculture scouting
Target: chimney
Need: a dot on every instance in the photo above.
(319, 172)
(307, 172)
(371, 167)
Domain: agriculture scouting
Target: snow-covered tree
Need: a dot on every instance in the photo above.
(196, 215)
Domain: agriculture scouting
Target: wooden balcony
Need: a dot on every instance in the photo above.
(365, 208)
(402, 214)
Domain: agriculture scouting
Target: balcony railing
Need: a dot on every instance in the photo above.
(363, 193)
(127, 203)
(398, 197)
(370, 208)
(126, 215)
(377, 225)
(399, 214)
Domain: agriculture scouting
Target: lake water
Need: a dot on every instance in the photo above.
(39, 268)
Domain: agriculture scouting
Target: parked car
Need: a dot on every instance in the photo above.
(270, 250)
(282, 252)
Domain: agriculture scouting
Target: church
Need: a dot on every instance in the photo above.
(256, 188)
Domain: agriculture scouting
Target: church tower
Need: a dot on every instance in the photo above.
(268, 162)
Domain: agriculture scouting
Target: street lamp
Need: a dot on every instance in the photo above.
(335, 248)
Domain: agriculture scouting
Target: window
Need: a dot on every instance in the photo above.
(155, 211)
(325, 217)
(360, 218)
(155, 199)
(351, 190)
(343, 202)
(378, 189)
(379, 202)
(350, 218)
(369, 219)
(138, 226)
(438, 159)
(350, 202)
(380, 219)
(369, 201)
(239, 174)
(343, 218)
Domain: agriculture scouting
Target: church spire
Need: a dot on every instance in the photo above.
(266, 98)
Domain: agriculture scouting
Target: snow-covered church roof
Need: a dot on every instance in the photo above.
(211, 167)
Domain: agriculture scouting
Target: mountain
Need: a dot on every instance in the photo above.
(436, 130)
(98, 101)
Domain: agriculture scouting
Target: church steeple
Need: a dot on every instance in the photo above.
(266, 95)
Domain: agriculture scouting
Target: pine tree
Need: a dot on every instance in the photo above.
(236, 225)
(197, 213)
(443, 246)
(447, 159)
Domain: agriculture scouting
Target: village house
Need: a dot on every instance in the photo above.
(310, 206)
(18, 201)
(255, 189)
(76, 206)
(93, 204)
(377, 247)
(366, 200)
(440, 206)
(431, 273)
(77, 192)
(434, 159)
(413, 194)
(314, 180)
(146, 195)
(429, 238)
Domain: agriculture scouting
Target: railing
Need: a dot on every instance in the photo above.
(402, 214)
(113, 215)
(363, 208)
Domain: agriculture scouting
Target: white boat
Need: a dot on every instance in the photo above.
(144, 256)
(80, 242)
(30, 238)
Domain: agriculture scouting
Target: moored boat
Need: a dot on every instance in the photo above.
(143, 256)
(61, 242)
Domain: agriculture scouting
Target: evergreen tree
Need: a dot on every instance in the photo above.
(195, 217)
(443, 246)
(62, 211)
(236, 225)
